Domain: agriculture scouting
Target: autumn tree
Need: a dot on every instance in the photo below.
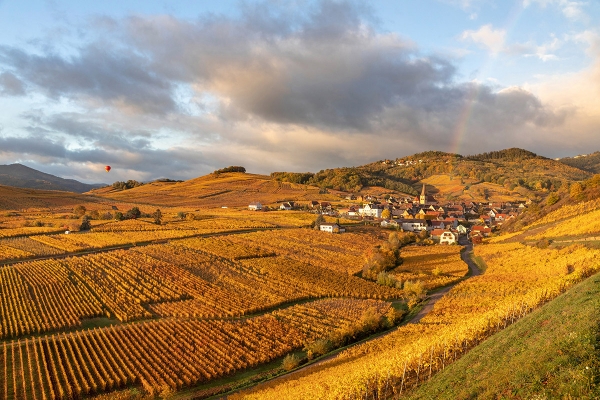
(157, 215)
(79, 210)
(85, 224)
(386, 214)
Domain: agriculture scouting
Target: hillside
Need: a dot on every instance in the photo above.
(19, 175)
(586, 162)
(233, 189)
(551, 353)
(13, 198)
(516, 172)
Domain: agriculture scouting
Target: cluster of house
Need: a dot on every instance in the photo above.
(444, 223)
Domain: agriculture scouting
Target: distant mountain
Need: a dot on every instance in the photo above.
(24, 177)
(586, 162)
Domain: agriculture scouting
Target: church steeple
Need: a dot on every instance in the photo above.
(423, 197)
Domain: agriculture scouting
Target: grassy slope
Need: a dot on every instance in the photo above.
(552, 353)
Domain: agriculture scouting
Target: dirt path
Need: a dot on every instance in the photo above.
(433, 298)
(473, 271)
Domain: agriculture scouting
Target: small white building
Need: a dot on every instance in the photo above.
(371, 210)
(389, 224)
(415, 225)
(448, 237)
(286, 206)
(255, 206)
(332, 228)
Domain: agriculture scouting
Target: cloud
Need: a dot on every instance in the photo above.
(281, 87)
(10, 85)
(100, 74)
(573, 10)
(487, 37)
(544, 52)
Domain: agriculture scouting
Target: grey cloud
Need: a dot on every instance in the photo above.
(319, 70)
(113, 76)
(10, 85)
(149, 163)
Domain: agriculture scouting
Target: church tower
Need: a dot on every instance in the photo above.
(423, 197)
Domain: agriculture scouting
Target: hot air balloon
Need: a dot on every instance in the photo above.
(107, 168)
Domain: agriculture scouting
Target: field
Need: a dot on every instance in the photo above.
(434, 266)
(185, 302)
(213, 299)
(517, 281)
(445, 186)
(215, 191)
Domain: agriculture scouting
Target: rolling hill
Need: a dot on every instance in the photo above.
(19, 175)
(511, 174)
(586, 162)
(233, 189)
(494, 176)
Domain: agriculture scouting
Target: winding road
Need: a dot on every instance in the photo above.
(433, 298)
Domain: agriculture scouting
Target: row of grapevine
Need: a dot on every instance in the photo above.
(160, 355)
(518, 280)
(342, 253)
(435, 266)
(40, 296)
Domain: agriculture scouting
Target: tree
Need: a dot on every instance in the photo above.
(85, 224)
(79, 210)
(319, 221)
(134, 213)
(181, 215)
(576, 191)
(157, 215)
(119, 216)
(386, 214)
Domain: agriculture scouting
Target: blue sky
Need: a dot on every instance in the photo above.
(180, 88)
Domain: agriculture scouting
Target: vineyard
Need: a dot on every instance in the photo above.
(518, 279)
(161, 308)
(435, 266)
(161, 356)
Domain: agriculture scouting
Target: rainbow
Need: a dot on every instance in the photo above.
(474, 89)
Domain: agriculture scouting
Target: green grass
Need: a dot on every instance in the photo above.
(552, 353)
(479, 261)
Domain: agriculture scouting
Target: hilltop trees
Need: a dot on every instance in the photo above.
(233, 168)
(130, 184)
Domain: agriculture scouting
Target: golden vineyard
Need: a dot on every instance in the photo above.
(216, 302)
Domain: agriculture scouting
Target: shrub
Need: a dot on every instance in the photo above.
(318, 347)
(290, 362)
(385, 279)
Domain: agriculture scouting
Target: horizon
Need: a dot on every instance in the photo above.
(178, 90)
(315, 171)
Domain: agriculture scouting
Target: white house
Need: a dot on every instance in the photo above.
(371, 210)
(448, 237)
(286, 206)
(255, 206)
(415, 225)
(389, 224)
(332, 228)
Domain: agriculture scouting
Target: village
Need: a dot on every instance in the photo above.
(443, 223)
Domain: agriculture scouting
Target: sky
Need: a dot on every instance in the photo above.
(178, 89)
